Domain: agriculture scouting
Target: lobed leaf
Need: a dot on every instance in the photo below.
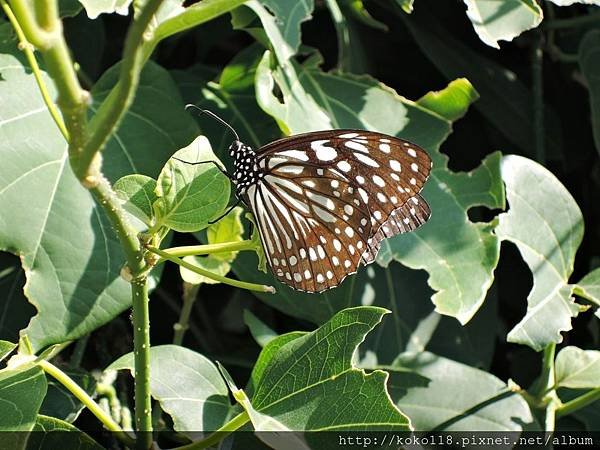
(495, 21)
(188, 386)
(577, 369)
(546, 225)
(441, 394)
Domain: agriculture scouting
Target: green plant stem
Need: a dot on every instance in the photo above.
(37, 73)
(224, 247)
(547, 382)
(114, 107)
(537, 60)
(46, 13)
(216, 437)
(189, 297)
(578, 403)
(141, 346)
(212, 276)
(38, 36)
(573, 22)
(77, 355)
(83, 396)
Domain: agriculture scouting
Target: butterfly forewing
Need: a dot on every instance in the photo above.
(327, 199)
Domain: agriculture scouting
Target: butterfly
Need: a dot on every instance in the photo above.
(324, 201)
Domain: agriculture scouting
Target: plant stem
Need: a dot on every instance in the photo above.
(141, 346)
(216, 437)
(114, 107)
(83, 396)
(37, 73)
(212, 276)
(189, 297)
(537, 60)
(78, 351)
(40, 37)
(572, 22)
(546, 387)
(224, 247)
(578, 403)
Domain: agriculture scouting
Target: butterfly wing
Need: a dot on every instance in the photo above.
(327, 199)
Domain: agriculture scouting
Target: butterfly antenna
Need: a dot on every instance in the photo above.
(214, 116)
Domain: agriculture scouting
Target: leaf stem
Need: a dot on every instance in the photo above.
(83, 396)
(38, 36)
(189, 297)
(216, 437)
(114, 107)
(547, 382)
(208, 249)
(141, 351)
(212, 276)
(578, 403)
(37, 73)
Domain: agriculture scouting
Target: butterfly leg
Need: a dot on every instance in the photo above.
(223, 171)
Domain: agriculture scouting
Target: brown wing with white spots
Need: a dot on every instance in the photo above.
(328, 199)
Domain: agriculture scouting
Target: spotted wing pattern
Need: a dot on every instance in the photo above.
(327, 199)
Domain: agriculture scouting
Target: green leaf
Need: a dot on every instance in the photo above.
(452, 102)
(577, 368)
(546, 225)
(320, 100)
(307, 382)
(73, 283)
(153, 128)
(589, 49)
(94, 8)
(406, 5)
(495, 21)
(137, 194)
(59, 403)
(260, 331)
(6, 349)
(189, 195)
(441, 394)
(188, 386)
(21, 394)
(589, 287)
(505, 101)
(51, 433)
(281, 20)
(228, 229)
(214, 265)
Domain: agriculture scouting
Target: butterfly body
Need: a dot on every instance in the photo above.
(324, 201)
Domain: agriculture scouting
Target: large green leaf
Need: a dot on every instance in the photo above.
(154, 127)
(577, 368)
(505, 101)
(307, 382)
(51, 433)
(441, 394)
(21, 394)
(589, 52)
(74, 283)
(188, 386)
(314, 100)
(502, 20)
(546, 225)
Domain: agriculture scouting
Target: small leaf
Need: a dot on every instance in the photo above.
(406, 5)
(452, 102)
(260, 331)
(589, 51)
(589, 287)
(577, 368)
(293, 375)
(503, 21)
(191, 195)
(546, 225)
(6, 348)
(228, 229)
(21, 394)
(201, 402)
(214, 265)
(59, 403)
(51, 433)
(441, 394)
(137, 193)
(94, 8)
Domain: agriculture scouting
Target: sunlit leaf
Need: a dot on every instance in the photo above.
(137, 194)
(577, 368)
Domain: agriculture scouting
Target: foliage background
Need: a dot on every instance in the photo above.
(540, 106)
